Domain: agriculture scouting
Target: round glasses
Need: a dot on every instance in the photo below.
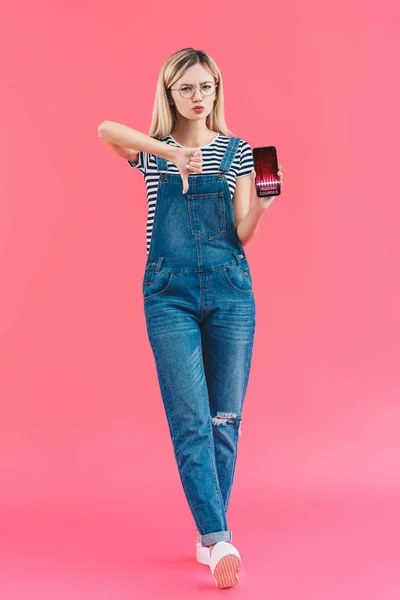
(187, 91)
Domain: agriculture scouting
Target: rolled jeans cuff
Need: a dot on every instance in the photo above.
(210, 539)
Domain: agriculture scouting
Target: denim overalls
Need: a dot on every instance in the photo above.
(200, 315)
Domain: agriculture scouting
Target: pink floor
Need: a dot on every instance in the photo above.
(322, 545)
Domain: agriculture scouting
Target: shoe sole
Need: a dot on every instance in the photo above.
(225, 573)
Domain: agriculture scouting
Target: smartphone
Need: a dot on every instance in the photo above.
(266, 168)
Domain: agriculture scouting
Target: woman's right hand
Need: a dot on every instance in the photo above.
(188, 160)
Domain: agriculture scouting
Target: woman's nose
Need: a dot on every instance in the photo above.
(197, 94)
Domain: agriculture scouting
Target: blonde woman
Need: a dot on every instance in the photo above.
(197, 286)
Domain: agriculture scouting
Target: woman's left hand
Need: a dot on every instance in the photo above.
(266, 201)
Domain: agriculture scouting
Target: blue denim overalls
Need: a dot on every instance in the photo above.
(200, 315)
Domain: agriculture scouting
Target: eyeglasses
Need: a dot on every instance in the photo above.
(188, 91)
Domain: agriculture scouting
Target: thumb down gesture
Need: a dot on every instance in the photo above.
(188, 160)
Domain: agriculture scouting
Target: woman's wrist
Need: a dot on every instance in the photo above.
(172, 153)
(257, 205)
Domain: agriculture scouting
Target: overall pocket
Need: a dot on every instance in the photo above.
(207, 214)
(156, 283)
(239, 278)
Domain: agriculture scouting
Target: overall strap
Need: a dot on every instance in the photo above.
(162, 165)
(228, 157)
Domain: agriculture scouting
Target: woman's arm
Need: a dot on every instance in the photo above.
(128, 142)
(249, 216)
(126, 153)
(131, 141)
(246, 214)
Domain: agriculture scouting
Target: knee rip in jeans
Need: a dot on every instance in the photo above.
(223, 418)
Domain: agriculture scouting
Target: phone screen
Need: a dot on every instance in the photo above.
(266, 167)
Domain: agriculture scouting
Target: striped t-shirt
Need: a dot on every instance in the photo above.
(242, 164)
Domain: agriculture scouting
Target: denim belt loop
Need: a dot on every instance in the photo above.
(157, 269)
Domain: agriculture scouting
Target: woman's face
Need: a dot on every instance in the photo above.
(196, 75)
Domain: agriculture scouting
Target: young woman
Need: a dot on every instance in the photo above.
(197, 286)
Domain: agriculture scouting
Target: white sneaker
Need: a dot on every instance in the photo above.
(225, 564)
(202, 553)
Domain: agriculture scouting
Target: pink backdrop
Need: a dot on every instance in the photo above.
(90, 501)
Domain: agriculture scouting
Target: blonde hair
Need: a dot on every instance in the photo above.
(163, 119)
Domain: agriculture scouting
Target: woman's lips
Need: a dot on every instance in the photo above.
(198, 108)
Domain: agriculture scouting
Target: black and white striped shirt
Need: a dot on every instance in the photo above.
(243, 164)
